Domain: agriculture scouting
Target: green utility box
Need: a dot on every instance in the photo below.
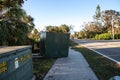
(54, 45)
(16, 63)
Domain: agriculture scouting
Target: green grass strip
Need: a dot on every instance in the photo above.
(41, 67)
(103, 67)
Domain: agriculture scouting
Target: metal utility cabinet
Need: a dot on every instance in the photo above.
(54, 45)
(16, 63)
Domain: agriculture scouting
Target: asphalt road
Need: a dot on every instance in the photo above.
(108, 48)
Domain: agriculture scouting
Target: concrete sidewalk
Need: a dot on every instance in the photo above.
(74, 67)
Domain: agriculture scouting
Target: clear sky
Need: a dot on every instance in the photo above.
(70, 12)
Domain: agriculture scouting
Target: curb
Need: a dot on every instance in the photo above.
(103, 55)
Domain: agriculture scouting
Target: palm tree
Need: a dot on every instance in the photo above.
(14, 22)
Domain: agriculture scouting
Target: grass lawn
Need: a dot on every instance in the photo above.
(41, 67)
(103, 67)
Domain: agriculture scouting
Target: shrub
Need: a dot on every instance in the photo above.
(117, 36)
(104, 36)
(96, 37)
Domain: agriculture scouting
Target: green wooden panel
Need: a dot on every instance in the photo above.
(56, 45)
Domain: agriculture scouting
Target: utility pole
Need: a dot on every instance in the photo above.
(113, 33)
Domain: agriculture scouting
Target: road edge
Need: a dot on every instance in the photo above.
(102, 55)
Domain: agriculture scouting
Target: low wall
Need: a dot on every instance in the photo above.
(16, 63)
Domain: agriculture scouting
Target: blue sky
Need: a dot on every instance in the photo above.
(70, 12)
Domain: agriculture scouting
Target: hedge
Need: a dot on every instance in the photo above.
(106, 36)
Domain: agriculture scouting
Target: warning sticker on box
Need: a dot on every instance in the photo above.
(16, 63)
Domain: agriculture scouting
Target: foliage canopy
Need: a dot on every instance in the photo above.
(15, 24)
